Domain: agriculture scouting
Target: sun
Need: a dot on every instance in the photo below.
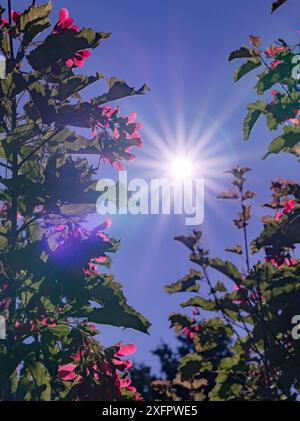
(181, 168)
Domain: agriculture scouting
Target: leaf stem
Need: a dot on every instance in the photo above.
(245, 229)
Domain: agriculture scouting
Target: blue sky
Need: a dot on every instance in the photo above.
(180, 49)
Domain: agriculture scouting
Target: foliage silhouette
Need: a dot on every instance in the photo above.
(51, 283)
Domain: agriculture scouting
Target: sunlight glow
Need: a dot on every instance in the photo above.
(184, 147)
(181, 168)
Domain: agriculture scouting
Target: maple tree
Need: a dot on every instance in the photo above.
(53, 284)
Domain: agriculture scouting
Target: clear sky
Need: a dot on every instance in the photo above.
(180, 48)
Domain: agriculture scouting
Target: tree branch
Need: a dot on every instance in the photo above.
(37, 148)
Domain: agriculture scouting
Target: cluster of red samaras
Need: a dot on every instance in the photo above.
(83, 371)
(65, 23)
(15, 17)
(272, 52)
(191, 331)
(122, 128)
(86, 370)
(106, 117)
(279, 260)
(283, 258)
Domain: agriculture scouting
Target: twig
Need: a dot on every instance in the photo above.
(8, 167)
(38, 147)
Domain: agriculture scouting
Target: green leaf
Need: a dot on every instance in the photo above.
(180, 320)
(59, 330)
(186, 284)
(272, 123)
(247, 67)
(33, 31)
(119, 89)
(255, 110)
(191, 365)
(243, 52)
(13, 84)
(114, 311)
(190, 241)
(237, 249)
(71, 142)
(289, 139)
(284, 234)
(226, 268)
(33, 15)
(121, 316)
(270, 77)
(75, 84)
(201, 302)
(220, 287)
(230, 362)
(63, 46)
(14, 382)
(43, 104)
(42, 379)
(229, 194)
(277, 4)
(9, 362)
